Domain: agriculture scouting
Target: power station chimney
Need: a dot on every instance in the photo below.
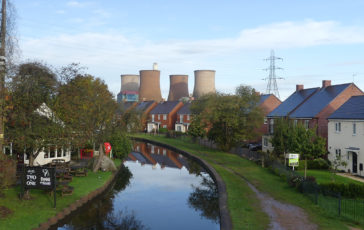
(149, 89)
(204, 83)
(178, 87)
(129, 88)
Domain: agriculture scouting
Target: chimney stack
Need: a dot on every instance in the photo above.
(299, 87)
(326, 83)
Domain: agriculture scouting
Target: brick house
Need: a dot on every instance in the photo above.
(144, 108)
(315, 108)
(283, 110)
(267, 102)
(183, 118)
(164, 115)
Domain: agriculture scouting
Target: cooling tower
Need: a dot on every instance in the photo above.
(204, 83)
(178, 87)
(129, 82)
(149, 89)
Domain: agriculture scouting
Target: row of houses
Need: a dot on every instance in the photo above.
(170, 115)
(338, 113)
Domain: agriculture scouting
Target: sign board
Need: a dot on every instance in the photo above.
(293, 159)
(40, 178)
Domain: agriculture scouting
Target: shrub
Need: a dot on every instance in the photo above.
(295, 181)
(163, 130)
(347, 190)
(318, 163)
(7, 171)
(121, 145)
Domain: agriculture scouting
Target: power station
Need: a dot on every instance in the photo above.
(146, 85)
(129, 88)
(178, 87)
(204, 83)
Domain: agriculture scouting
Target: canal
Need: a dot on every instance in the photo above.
(157, 189)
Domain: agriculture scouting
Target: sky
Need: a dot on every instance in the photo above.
(318, 40)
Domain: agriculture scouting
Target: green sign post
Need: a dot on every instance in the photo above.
(293, 160)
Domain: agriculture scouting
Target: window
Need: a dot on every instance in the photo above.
(338, 153)
(159, 117)
(307, 122)
(188, 117)
(271, 126)
(164, 116)
(354, 128)
(179, 128)
(338, 127)
(180, 118)
(152, 117)
(265, 121)
(164, 152)
(265, 142)
(152, 149)
(165, 126)
(295, 123)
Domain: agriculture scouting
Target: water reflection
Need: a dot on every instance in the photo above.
(158, 189)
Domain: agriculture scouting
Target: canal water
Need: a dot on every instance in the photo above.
(158, 189)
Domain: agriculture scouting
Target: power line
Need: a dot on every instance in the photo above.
(272, 87)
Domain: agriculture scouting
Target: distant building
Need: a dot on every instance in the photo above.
(144, 109)
(183, 118)
(345, 135)
(128, 96)
(164, 115)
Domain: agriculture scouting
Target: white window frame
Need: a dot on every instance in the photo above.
(337, 127)
(265, 142)
(307, 124)
(338, 152)
(181, 118)
(354, 129)
(165, 117)
(152, 117)
(164, 126)
(159, 117)
(265, 120)
(271, 126)
(188, 117)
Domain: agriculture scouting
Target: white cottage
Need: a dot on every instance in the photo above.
(346, 135)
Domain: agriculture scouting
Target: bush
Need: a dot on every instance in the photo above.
(295, 181)
(120, 144)
(7, 171)
(346, 190)
(318, 163)
(163, 130)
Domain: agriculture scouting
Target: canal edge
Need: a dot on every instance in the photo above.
(225, 218)
(79, 203)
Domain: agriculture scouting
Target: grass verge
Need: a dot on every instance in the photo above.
(28, 214)
(324, 176)
(242, 204)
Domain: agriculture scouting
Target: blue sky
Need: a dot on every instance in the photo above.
(318, 40)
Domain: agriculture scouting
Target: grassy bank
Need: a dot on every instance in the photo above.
(28, 214)
(241, 200)
(325, 176)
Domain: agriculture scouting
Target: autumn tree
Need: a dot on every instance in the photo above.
(87, 107)
(31, 123)
(229, 119)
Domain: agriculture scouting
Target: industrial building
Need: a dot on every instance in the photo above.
(129, 88)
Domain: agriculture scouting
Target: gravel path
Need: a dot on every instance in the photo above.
(282, 216)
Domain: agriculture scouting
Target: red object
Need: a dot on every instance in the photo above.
(86, 153)
(107, 147)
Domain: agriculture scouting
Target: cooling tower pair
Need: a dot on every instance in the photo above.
(149, 88)
(204, 84)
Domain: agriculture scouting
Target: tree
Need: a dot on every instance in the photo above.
(196, 128)
(229, 119)
(128, 120)
(288, 137)
(87, 107)
(121, 145)
(31, 123)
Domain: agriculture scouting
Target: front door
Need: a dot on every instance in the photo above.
(355, 162)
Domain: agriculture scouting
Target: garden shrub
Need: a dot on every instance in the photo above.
(120, 144)
(347, 190)
(318, 163)
(7, 171)
(163, 130)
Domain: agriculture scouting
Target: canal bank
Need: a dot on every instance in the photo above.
(245, 208)
(28, 214)
(225, 219)
(67, 211)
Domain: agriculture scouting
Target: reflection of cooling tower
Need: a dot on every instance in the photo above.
(129, 82)
(149, 89)
(204, 82)
(178, 87)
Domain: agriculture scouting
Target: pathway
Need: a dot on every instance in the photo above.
(347, 175)
(282, 216)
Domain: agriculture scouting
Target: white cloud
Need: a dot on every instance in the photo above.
(111, 53)
(76, 4)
